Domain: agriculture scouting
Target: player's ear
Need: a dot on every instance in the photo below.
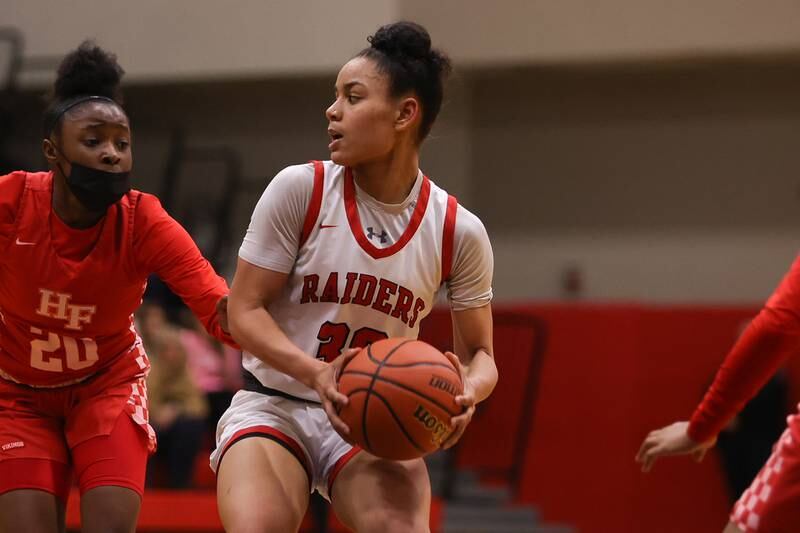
(50, 151)
(408, 110)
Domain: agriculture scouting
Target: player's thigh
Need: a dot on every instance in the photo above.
(378, 495)
(33, 511)
(261, 487)
(110, 470)
(35, 473)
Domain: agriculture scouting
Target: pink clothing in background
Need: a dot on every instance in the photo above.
(212, 371)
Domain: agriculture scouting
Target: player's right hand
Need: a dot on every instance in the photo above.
(670, 440)
(332, 400)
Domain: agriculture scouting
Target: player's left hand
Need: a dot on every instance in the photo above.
(466, 399)
(222, 313)
(671, 440)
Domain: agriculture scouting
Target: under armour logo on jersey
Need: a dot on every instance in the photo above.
(383, 236)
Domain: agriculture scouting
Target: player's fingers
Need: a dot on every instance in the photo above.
(454, 436)
(338, 399)
(648, 463)
(646, 446)
(699, 455)
(650, 454)
(350, 353)
(467, 400)
(455, 361)
(222, 313)
(337, 423)
(461, 420)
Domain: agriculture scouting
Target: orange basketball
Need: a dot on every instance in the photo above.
(402, 397)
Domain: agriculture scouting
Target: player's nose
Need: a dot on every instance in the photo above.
(333, 113)
(110, 158)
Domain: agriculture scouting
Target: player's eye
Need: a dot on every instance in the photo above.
(91, 142)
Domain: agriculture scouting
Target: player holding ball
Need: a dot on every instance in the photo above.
(340, 254)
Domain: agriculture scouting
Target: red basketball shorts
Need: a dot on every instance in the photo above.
(772, 502)
(97, 429)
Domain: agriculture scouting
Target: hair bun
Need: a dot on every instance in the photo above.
(89, 70)
(402, 39)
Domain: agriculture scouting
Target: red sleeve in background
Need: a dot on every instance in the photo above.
(163, 247)
(770, 339)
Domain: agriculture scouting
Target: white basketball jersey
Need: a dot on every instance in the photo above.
(343, 291)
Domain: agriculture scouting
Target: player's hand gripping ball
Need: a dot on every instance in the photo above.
(401, 398)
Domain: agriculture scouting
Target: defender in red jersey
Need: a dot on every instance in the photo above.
(76, 247)
(772, 503)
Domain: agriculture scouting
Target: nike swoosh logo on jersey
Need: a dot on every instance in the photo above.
(323, 226)
(23, 243)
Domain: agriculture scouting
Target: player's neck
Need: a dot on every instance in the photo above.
(390, 180)
(67, 207)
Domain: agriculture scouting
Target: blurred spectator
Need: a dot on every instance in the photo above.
(151, 319)
(215, 368)
(178, 410)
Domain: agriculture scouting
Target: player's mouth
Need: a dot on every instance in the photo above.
(335, 138)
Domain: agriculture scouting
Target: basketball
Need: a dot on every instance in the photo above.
(401, 398)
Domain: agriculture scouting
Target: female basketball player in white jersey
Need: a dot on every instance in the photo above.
(339, 254)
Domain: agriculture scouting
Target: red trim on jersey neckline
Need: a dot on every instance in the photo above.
(351, 207)
(314, 206)
(448, 234)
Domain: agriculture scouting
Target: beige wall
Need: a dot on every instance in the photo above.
(675, 182)
(546, 31)
(202, 39)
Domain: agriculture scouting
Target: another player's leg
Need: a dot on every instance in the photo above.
(34, 511)
(772, 502)
(35, 474)
(111, 471)
(377, 495)
(110, 509)
(261, 486)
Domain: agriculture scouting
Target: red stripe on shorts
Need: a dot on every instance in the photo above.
(340, 463)
(273, 434)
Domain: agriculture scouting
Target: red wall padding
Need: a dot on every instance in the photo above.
(609, 374)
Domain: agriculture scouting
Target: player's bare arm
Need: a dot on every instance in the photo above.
(474, 355)
(252, 290)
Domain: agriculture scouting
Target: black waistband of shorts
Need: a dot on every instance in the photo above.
(252, 384)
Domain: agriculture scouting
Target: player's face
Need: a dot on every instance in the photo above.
(361, 120)
(96, 135)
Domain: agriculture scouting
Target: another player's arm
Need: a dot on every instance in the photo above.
(164, 247)
(252, 291)
(767, 342)
(11, 187)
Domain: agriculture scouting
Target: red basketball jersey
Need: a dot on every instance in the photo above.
(65, 318)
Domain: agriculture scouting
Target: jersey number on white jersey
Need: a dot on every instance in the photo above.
(333, 337)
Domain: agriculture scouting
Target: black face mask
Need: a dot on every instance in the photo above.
(97, 189)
